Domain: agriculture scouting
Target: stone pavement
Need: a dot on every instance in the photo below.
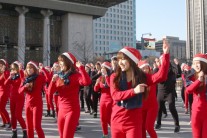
(90, 127)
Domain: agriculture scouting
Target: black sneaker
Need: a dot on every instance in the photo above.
(177, 129)
(8, 126)
(2, 126)
(157, 126)
(95, 115)
(165, 116)
(78, 128)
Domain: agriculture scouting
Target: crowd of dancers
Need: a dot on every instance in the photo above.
(132, 94)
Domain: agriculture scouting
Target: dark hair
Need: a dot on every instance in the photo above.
(103, 80)
(138, 75)
(69, 65)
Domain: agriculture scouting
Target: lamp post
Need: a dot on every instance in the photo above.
(142, 39)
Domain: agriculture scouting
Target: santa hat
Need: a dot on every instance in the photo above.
(200, 57)
(33, 63)
(70, 56)
(182, 66)
(143, 63)
(106, 64)
(5, 62)
(17, 63)
(55, 64)
(114, 58)
(187, 68)
(132, 53)
(88, 65)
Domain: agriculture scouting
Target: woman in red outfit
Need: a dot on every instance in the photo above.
(127, 86)
(199, 90)
(16, 99)
(32, 86)
(68, 83)
(150, 104)
(103, 83)
(4, 94)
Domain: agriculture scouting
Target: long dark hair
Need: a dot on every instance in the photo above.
(138, 76)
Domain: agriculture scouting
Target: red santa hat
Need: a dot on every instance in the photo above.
(33, 63)
(88, 65)
(70, 56)
(132, 53)
(143, 63)
(200, 57)
(182, 66)
(5, 62)
(55, 64)
(106, 64)
(187, 68)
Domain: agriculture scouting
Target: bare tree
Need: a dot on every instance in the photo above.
(82, 48)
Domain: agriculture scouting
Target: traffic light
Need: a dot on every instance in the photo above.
(6, 40)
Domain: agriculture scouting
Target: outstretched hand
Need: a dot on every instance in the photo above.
(166, 46)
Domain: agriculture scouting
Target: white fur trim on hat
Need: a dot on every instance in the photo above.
(129, 54)
(106, 66)
(68, 56)
(142, 66)
(3, 61)
(200, 59)
(33, 64)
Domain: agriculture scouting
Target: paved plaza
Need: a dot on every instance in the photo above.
(91, 128)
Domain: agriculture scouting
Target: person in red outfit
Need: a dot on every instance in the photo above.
(127, 86)
(150, 104)
(199, 90)
(102, 84)
(4, 94)
(55, 70)
(32, 86)
(16, 99)
(68, 83)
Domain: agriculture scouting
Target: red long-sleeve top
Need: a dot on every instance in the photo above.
(34, 97)
(105, 91)
(68, 94)
(14, 87)
(3, 88)
(123, 116)
(199, 96)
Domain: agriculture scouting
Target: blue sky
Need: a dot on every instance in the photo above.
(160, 18)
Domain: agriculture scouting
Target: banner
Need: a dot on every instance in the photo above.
(149, 43)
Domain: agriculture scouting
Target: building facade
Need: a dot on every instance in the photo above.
(196, 27)
(177, 47)
(116, 29)
(40, 30)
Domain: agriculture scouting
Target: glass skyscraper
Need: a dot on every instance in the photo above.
(196, 27)
(116, 29)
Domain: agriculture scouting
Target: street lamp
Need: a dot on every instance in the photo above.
(142, 39)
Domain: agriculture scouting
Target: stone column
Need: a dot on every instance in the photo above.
(77, 36)
(46, 37)
(21, 33)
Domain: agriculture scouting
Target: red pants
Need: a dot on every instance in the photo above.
(67, 121)
(16, 107)
(50, 104)
(34, 119)
(199, 124)
(149, 116)
(4, 114)
(55, 97)
(105, 115)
